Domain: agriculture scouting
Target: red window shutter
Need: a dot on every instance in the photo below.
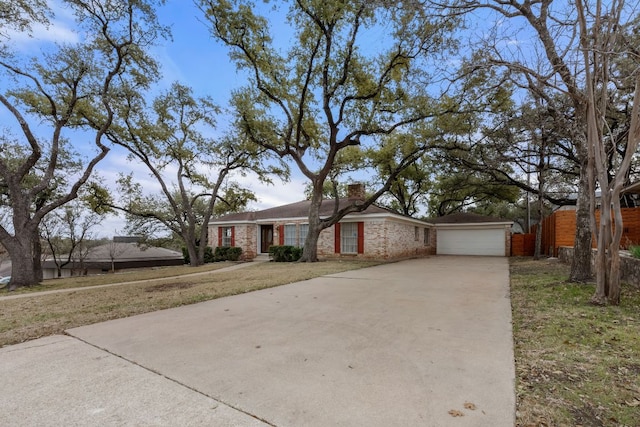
(337, 238)
(281, 234)
(233, 235)
(220, 236)
(361, 237)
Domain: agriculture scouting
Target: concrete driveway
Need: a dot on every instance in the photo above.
(424, 342)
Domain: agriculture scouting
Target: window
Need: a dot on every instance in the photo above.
(304, 230)
(427, 236)
(290, 235)
(226, 236)
(416, 233)
(349, 238)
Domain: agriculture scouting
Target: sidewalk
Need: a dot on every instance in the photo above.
(423, 342)
(85, 288)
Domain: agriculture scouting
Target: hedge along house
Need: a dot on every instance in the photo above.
(375, 233)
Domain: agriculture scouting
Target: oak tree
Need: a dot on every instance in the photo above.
(177, 142)
(347, 76)
(49, 96)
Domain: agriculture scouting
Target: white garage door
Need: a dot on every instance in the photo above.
(486, 241)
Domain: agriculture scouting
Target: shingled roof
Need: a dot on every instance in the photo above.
(464, 218)
(296, 210)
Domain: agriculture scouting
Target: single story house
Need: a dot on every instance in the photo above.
(114, 256)
(375, 233)
(472, 234)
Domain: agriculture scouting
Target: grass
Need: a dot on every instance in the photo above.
(576, 364)
(31, 317)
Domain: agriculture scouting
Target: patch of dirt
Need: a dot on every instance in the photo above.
(587, 417)
(168, 287)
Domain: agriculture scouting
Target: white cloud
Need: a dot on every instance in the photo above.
(55, 32)
(279, 194)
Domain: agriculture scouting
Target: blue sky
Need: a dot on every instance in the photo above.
(192, 58)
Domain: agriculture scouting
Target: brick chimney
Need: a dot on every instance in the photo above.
(355, 191)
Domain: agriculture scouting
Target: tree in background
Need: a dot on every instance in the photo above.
(193, 169)
(50, 94)
(352, 78)
(67, 232)
(560, 63)
(544, 67)
(408, 194)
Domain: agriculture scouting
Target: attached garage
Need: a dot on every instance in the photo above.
(471, 234)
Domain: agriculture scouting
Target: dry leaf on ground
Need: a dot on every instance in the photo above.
(470, 406)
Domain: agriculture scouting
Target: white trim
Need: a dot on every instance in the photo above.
(475, 226)
(240, 222)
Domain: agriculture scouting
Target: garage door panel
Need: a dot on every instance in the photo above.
(471, 242)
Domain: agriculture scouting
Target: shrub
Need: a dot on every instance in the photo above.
(208, 255)
(635, 251)
(233, 254)
(285, 253)
(227, 253)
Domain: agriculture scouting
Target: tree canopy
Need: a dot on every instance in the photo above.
(174, 139)
(64, 92)
(353, 79)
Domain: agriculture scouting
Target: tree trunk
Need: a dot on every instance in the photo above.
(538, 248)
(310, 251)
(613, 295)
(204, 240)
(602, 263)
(581, 263)
(196, 254)
(26, 267)
(541, 183)
(37, 255)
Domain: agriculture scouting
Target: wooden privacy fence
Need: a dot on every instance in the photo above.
(559, 229)
(523, 244)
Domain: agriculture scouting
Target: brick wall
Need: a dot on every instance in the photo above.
(405, 240)
(245, 237)
(383, 239)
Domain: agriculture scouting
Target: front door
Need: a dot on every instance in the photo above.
(266, 238)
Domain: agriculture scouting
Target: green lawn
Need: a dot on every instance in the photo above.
(576, 364)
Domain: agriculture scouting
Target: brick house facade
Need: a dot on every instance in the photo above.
(375, 233)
